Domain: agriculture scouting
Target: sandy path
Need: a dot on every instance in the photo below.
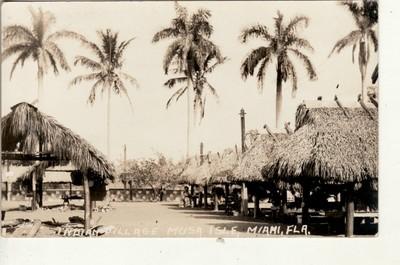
(154, 219)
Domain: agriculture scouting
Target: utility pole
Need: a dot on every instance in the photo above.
(244, 203)
(243, 129)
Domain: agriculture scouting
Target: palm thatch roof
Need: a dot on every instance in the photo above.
(224, 166)
(251, 162)
(25, 127)
(331, 143)
(188, 175)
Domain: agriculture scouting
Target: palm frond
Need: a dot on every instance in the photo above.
(348, 40)
(307, 63)
(301, 43)
(120, 51)
(173, 50)
(177, 94)
(58, 55)
(293, 76)
(199, 24)
(129, 78)
(88, 63)
(17, 33)
(261, 73)
(353, 51)
(176, 80)
(52, 61)
(121, 87)
(253, 59)
(16, 48)
(92, 95)
(255, 31)
(88, 77)
(82, 39)
(212, 90)
(294, 23)
(278, 25)
(21, 58)
(165, 33)
(374, 39)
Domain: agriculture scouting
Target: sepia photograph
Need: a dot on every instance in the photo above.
(190, 119)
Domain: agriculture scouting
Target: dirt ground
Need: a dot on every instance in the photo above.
(147, 219)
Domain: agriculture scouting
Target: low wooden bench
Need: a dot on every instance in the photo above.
(366, 214)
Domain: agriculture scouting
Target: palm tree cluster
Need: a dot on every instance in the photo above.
(190, 57)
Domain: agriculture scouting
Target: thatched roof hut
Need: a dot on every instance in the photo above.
(332, 143)
(252, 161)
(224, 166)
(188, 175)
(25, 127)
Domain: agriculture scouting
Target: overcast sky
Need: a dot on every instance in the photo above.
(152, 128)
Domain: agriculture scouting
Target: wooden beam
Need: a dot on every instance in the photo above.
(341, 106)
(28, 157)
(288, 129)
(270, 132)
(35, 228)
(365, 107)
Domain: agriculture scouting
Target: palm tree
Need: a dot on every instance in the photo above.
(366, 17)
(200, 86)
(36, 43)
(106, 70)
(190, 49)
(281, 45)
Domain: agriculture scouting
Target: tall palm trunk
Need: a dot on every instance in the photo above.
(186, 69)
(35, 177)
(188, 119)
(40, 87)
(108, 120)
(278, 96)
(362, 60)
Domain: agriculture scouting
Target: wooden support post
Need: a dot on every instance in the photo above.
(245, 200)
(40, 192)
(305, 203)
(70, 189)
(284, 202)
(192, 196)
(350, 211)
(256, 206)
(9, 191)
(226, 197)
(205, 196)
(216, 208)
(86, 202)
(34, 199)
(8, 183)
(130, 191)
